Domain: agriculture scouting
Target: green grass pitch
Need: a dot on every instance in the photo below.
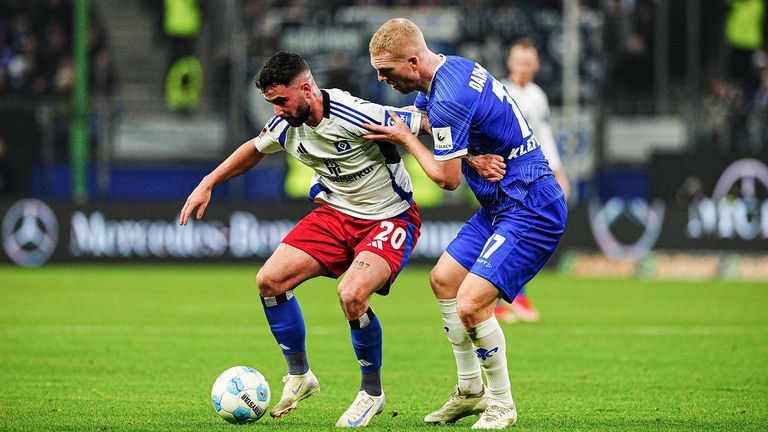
(112, 348)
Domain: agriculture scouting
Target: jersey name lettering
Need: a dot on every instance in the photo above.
(522, 149)
(478, 78)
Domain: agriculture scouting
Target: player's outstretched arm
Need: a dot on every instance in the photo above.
(241, 160)
(446, 174)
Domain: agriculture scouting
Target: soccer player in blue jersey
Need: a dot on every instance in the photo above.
(507, 241)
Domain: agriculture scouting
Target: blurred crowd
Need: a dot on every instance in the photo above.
(37, 65)
(36, 49)
(618, 56)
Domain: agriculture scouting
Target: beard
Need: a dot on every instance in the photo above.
(302, 114)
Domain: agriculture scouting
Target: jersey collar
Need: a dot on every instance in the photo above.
(432, 81)
(326, 113)
(326, 104)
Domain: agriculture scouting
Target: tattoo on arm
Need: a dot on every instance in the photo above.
(361, 265)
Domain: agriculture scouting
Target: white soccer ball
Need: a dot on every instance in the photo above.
(240, 395)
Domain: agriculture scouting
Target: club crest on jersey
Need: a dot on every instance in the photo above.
(342, 146)
(405, 116)
(443, 139)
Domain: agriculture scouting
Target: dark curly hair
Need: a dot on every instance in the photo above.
(280, 69)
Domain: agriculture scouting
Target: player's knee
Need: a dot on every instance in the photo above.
(269, 285)
(439, 283)
(353, 301)
(468, 314)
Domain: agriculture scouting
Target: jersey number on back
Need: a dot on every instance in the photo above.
(501, 93)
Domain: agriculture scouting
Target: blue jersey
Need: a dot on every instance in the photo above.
(471, 112)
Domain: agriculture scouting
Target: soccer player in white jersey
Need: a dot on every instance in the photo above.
(523, 64)
(505, 243)
(366, 225)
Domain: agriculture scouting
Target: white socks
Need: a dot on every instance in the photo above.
(491, 350)
(467, 364)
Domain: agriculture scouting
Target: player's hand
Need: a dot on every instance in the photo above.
(490, 166)
(198, 199)
(397, 133)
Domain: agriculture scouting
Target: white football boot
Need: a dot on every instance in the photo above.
(362, 410)
(297, 387)
(497, 416)
(459, 405)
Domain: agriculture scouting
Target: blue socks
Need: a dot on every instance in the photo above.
(367, 342)
(287, 325)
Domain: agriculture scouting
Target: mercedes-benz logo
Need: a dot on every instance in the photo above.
(30, 233)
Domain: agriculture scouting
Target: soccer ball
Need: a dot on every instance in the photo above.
(240, 395)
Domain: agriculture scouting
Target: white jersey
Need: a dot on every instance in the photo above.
(535, 107)
(362, 178)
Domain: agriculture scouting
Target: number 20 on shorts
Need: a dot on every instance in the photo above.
(398, 234)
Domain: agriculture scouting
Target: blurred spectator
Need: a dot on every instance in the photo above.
(36, 49)
(690, 192)
(630, 41)
(36, 63)
(720, 127)
(759, 115)
(181, 25)
(744, 32)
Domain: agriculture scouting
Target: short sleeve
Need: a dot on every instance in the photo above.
(267, 141)
(450, 128)
(421, 102)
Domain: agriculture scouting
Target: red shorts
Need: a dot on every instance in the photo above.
(335, 238)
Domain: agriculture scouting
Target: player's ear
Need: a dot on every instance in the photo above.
(413, 62)
(306, 88)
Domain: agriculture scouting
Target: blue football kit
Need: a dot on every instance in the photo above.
(523, 216)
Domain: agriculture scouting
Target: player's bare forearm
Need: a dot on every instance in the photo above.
(446, 174)
(241, 160)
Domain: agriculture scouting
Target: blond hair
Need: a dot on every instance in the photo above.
(397, 36)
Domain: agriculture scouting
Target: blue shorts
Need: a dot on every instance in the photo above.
(508, 249)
